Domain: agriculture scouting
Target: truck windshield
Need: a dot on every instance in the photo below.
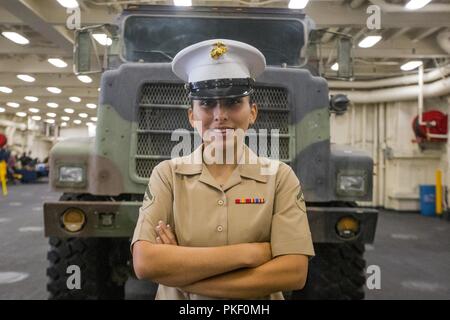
(159, 39)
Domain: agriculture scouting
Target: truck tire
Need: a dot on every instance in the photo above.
(103, 264)
(91, 255)
(336, 272)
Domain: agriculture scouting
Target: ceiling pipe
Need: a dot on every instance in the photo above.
(391, 82)
(434, 89)
(443, 40)
(432, 7)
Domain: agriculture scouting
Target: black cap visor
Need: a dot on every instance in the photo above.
(220, 88)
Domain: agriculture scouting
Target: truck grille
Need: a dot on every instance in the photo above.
(163, 109)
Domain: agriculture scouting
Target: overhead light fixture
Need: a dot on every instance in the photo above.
(98, 89)
(6, 90)
(65, 118)
(416, 4)
(50, 121)
(36, 118)
(54, 90)
(369, 41)
(411, 65)
(69, 110)
(31, 99)
(91, 105)
(83, 115)
(77, 121)
(15, 37)
(102, 38)
(298, 4)
(74, 99)
(335, 66)
(57, 62)
(2, 109)
(21, 114)
(84, 78)
(33, 110)
(51, 114)
(89, 124)
(63, 124)
(13, 104)
(70, 4)
(26, 78)
(182, 3)
(94, 119)
(52, 105)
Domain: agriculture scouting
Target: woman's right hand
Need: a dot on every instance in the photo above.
(260, 253)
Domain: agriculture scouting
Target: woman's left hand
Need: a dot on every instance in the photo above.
(165, 234)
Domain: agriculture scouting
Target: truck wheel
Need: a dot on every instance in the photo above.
(93, 257)
(336, 272)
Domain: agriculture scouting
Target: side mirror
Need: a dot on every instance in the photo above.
(344, 57)
(94, 47)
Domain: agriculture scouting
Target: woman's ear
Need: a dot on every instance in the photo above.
(191, 116)
(253, 113)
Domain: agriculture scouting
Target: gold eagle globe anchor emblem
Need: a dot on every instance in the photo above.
(218, 50)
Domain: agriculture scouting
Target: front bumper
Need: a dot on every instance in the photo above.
(118, 219)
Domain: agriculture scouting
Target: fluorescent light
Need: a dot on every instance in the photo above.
(21, 114)
(13, 104)
(36, 118)
(182, 3)
(74, 99)
(33, 110)
(103, 39)
(26, 77)
(52, 105)
(335, 66)
(68, 3)
(89, 124)
(83, 115)
(57, 62)
(69, 110)
(15, 37)
(411, 65)
(416, 4)
(64, 124)
(51, 121)
(5, 90)
(54, 90)
(65, 118)
(298, 4)
(77, 121)
(51, 114)
(369, 41)
(94, 119)
(31, 98)
(84, 79)
(91, 105)
(2, 109)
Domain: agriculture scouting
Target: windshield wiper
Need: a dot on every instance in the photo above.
(156, 51)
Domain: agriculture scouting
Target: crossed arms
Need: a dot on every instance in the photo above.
(240, 271)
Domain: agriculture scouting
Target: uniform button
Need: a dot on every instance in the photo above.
(220, 202)
(219, 228)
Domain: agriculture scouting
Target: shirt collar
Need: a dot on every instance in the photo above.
(193, 164)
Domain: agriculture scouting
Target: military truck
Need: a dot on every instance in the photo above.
(103, 179)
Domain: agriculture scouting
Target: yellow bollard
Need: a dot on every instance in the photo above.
(3, 169)
(438, 192)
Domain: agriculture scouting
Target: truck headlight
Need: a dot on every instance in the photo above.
(352, 184)
(71, 174)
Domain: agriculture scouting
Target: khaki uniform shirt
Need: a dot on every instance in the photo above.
(203, 213)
